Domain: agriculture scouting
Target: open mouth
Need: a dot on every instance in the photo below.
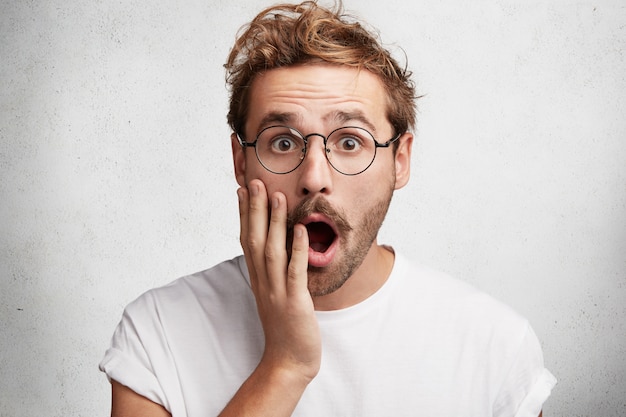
(321, 236)
(326, 230)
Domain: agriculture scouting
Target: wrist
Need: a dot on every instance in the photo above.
(294, 376)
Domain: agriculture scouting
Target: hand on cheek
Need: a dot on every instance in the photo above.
(285, 307)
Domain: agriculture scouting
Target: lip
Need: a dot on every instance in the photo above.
(318, 259)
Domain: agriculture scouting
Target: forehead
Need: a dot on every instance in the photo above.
(314, 97)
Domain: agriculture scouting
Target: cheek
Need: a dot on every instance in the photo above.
(357, 196)
(365, 197)
(383, 169)
(273, 182)
(377, 181)
(255, 171)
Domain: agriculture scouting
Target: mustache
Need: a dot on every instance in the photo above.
(319, 205)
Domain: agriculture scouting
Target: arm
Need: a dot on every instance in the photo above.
(127, 403)
(292, 354)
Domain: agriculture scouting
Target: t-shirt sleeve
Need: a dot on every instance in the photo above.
(138, 356)
(527, 384)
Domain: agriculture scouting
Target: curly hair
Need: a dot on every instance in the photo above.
(292, 34)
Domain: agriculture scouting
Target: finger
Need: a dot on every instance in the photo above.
(243, 197)
(257, 227)
(297, 277)
(276, 245)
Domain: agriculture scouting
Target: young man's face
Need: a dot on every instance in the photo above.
(342, 213)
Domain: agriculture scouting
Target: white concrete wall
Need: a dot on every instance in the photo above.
(115, 175)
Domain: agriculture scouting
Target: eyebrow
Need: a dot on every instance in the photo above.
(340, 116)
(350, 116)
(278, 117)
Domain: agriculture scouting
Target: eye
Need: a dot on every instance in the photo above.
(284, 144)
(348, 144)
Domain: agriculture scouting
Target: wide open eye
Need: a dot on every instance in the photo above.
(351, 141)
(284, 144)
(348, 144)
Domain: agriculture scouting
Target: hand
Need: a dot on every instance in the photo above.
(285, 307)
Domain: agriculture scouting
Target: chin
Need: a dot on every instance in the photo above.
(325, 281)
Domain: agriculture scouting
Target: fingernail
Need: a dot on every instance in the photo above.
(254, 190)
(240, 195)
(275, 203)
(297, 232)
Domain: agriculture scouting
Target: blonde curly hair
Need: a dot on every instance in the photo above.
(292, 34)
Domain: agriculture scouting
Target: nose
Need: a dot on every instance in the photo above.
(315, 173)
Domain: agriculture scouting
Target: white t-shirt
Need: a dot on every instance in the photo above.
(424, 344)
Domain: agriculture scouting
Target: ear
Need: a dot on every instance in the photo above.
(239, 160)
(403, 160)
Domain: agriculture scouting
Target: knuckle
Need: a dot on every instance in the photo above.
(298, 248)
(271, 253)
(275, 218)
(252, 243)
(292, 270)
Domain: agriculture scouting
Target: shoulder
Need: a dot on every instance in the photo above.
(466, 320)
(451, 301)
(486, 339)
(193, 306)
(223, 281)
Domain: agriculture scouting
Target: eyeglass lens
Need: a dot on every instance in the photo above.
(281, 149)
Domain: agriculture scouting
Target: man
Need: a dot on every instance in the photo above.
(317, 318)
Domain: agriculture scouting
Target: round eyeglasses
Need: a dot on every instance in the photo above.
(350, 150)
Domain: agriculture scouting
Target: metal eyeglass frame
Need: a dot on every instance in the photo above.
(305, 138)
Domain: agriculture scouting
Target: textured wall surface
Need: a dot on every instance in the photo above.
(115, 175)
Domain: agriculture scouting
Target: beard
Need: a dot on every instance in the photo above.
(355, 240)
